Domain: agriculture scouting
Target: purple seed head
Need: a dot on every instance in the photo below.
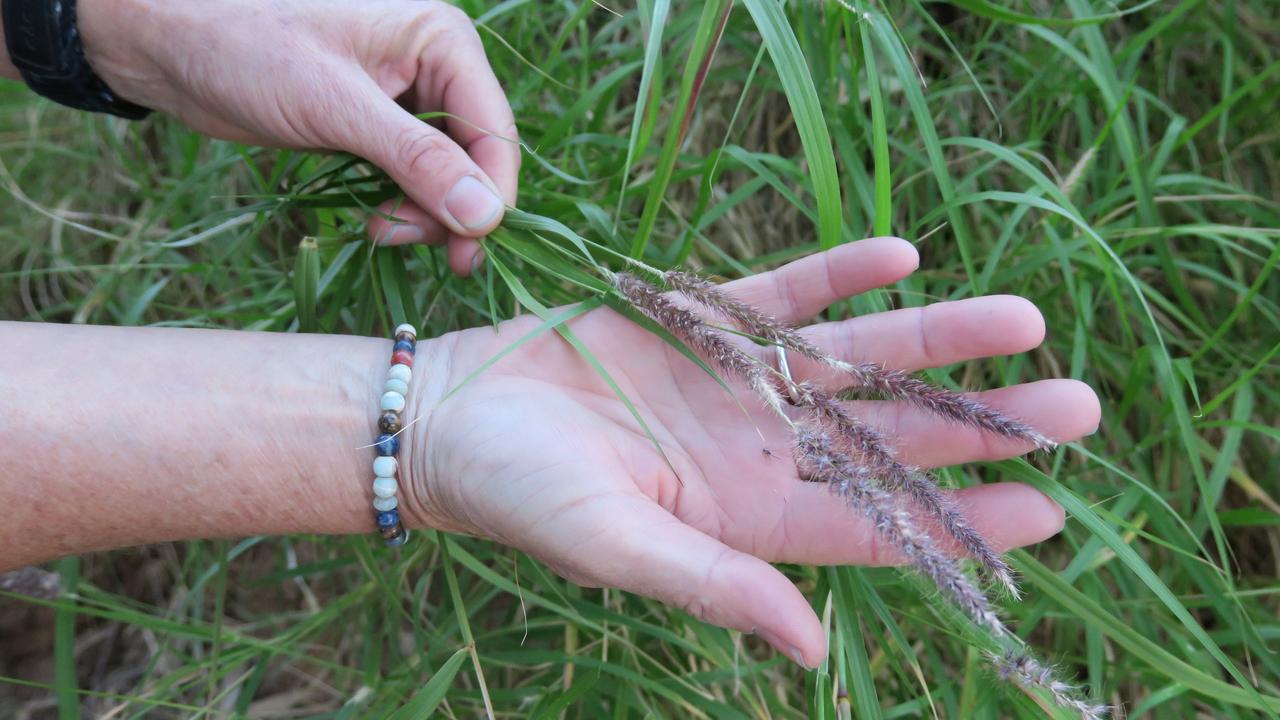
(1025, 671)
(710, 343)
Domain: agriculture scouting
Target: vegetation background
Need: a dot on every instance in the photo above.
(1116, 164)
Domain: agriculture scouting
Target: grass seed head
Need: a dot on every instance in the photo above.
(871, 376)
(898, 385)
(819, 458)
(911, 482)
(1026, 672)
(32, 582)
(690, 328)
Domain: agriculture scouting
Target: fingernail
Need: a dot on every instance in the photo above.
(789, 649)
(403, 234)
(472, 204)
(476, 262)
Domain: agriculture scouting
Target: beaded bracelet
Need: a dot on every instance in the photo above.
(385, 466)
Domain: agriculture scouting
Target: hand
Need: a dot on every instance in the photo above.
(537, 452)
(328, 74)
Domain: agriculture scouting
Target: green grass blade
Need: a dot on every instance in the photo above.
(425, 702)
(66, 685)
(802, 97)
(715, 13)
(1078, 510)
(1155, 656)
(652, 53)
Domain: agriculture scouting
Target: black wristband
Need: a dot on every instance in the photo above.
(45, 46)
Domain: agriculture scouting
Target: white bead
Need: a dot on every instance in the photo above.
(383, 504)
(396, 386)
(384, 487)
(392, 401)
(385, 466)
(406, 328)
(400, 372)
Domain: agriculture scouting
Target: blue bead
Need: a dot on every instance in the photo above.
(388, 518)
(398, 540)
(405, 345)
(387, 444)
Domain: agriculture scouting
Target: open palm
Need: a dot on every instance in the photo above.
(539, 453)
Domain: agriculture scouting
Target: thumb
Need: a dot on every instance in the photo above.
(644, 549)
(429, 166)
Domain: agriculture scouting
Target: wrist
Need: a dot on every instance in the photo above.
(419, 506)
(117, 43)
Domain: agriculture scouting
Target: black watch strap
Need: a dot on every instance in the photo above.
(45, 46)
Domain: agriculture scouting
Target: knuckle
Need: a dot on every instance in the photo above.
(923, 331)
(456, 40)
(875, 550)
(421, 152)
(701, 601)
(450, 14)
(697, 607)
(788, 290)
(513, 134)
(449, 24)
(581, 579)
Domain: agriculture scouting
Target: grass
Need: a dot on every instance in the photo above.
(1117, 166)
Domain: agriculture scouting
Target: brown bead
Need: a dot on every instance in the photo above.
(389, 422)
(406, 337)
(390, 533)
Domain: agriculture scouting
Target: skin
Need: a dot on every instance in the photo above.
(537, 452)
(328, 74)
(121, 436)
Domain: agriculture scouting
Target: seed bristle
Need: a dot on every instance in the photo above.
(855, 460)
(695, 332)
(1027, 672)
(819, 458)
(912, 482)
(873, 376)
(32, 582)
(898, 385)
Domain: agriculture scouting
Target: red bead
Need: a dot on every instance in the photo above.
(402, 357)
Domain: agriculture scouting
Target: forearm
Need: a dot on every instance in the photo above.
(115, 35)
(121, 436)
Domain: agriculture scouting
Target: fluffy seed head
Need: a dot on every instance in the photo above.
(953, 406)
(32, 582)
(819, 458)
(910, 481)
(871, 376)
(710, 343)
(1028, 673)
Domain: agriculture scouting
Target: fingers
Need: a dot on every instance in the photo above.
(799, 290)
(641, 548)
(456, 77)
(1063, 410)
(401, 221)
(931, 336)
(434, 172)
(465, 255)
(820, 528)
